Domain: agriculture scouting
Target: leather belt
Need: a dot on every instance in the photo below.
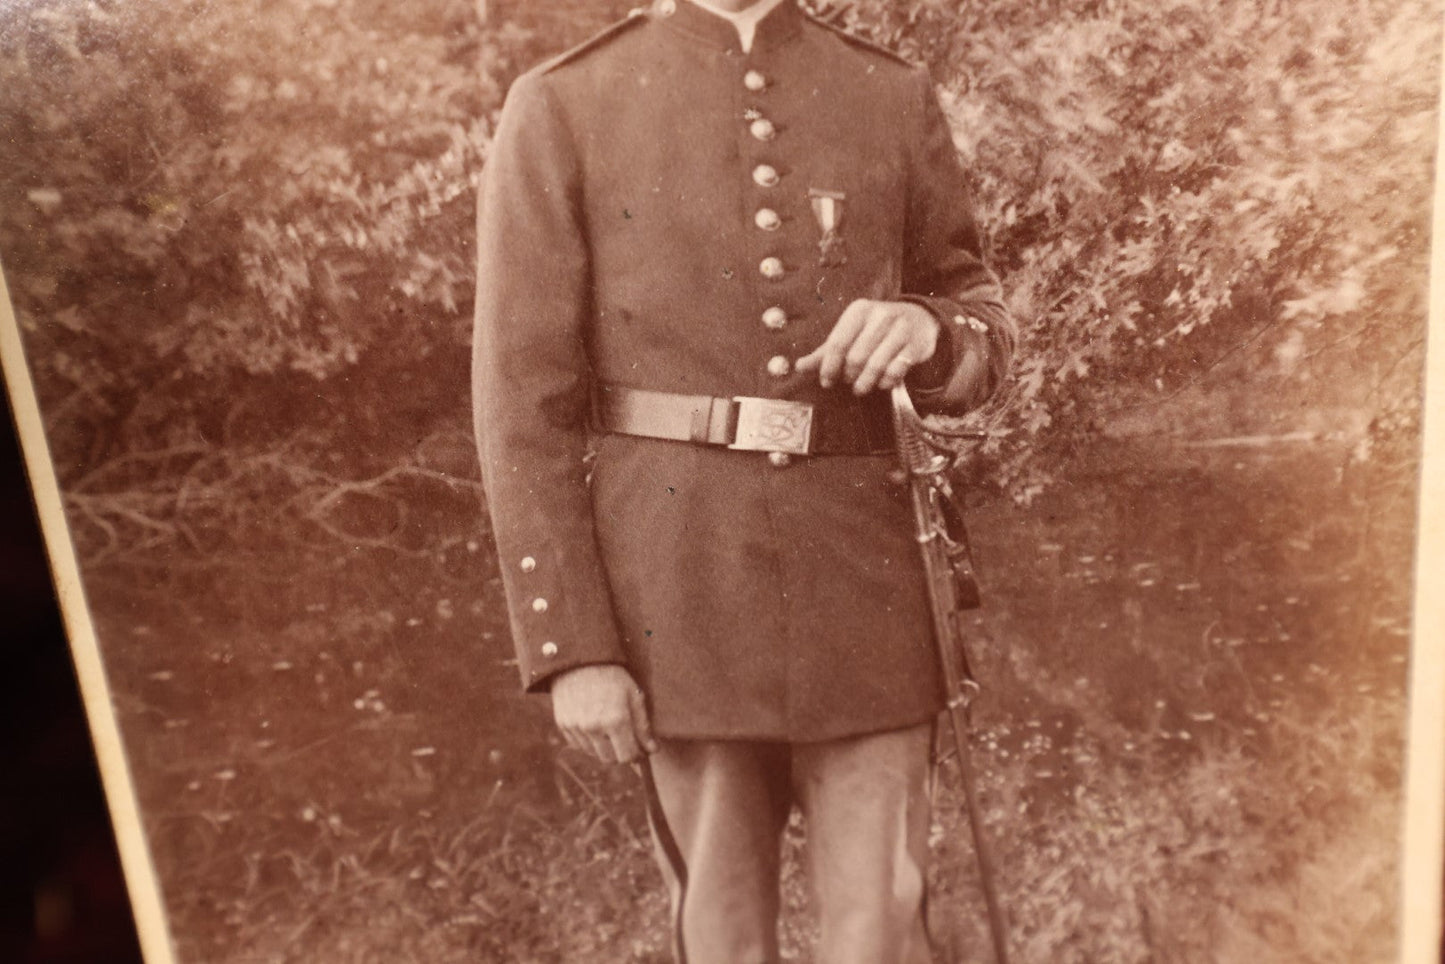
(843, 427)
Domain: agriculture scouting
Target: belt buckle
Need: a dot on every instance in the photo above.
(773, 425)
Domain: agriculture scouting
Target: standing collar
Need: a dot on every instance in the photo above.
(745, 20)
(777, 26)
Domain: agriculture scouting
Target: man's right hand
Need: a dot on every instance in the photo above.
(600, 710)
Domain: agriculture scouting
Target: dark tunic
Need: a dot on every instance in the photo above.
(620, 243)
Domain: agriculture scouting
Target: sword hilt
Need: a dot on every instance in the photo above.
(913, 449)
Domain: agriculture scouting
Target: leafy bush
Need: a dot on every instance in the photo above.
(1167, 183)
(267, 190)
(261, 215)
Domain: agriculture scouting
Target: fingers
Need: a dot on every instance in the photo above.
(828, 358)
(573, 741)
(605, 718)
(607, 736)
(877, 329)
(631, 738)
(873, 345)
(603, 748)
(602, 738)
(888, 357)
(641, 721)
(586, 742)
(621, 744)
(894, 372)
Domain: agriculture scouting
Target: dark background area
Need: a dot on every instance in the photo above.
(63, 896)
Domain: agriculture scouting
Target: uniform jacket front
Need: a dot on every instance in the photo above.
(663, 211)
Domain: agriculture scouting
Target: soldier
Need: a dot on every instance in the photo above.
(710, 239)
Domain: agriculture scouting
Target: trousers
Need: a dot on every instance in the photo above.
(724, 805)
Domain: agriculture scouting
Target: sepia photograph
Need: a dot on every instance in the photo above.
(732, 481)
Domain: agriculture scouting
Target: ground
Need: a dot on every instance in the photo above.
(1193, 655)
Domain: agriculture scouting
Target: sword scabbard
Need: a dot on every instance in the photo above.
(924, 473)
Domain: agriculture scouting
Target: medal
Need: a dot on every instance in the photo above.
(828, 210)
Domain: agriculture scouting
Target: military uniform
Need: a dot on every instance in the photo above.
(667, 223)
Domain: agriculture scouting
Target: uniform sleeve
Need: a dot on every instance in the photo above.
(530, 390)
(944, 271)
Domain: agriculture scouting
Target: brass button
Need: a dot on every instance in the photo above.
(754, 81)
(771, 268)
(549, 649)
(778, 366)
(762, 129)
(780, 460)
(539, 605)
(767, 219)
(667, 8)
(528, 564)
(765, 175)
(775, 318)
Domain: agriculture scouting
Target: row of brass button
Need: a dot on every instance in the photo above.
(539, 605)
(767, 219)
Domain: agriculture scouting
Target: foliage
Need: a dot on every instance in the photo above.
(1168, 183)
(264, 218)
(255, 223)
(270, 190)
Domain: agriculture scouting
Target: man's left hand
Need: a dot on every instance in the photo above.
(873, 345)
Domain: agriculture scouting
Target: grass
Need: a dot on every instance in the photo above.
(1191, 739)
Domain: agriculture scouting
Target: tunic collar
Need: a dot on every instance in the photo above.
(745, 20)
(777, 26)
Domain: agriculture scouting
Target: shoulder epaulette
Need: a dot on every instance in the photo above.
(633, 18)
(858, 41)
